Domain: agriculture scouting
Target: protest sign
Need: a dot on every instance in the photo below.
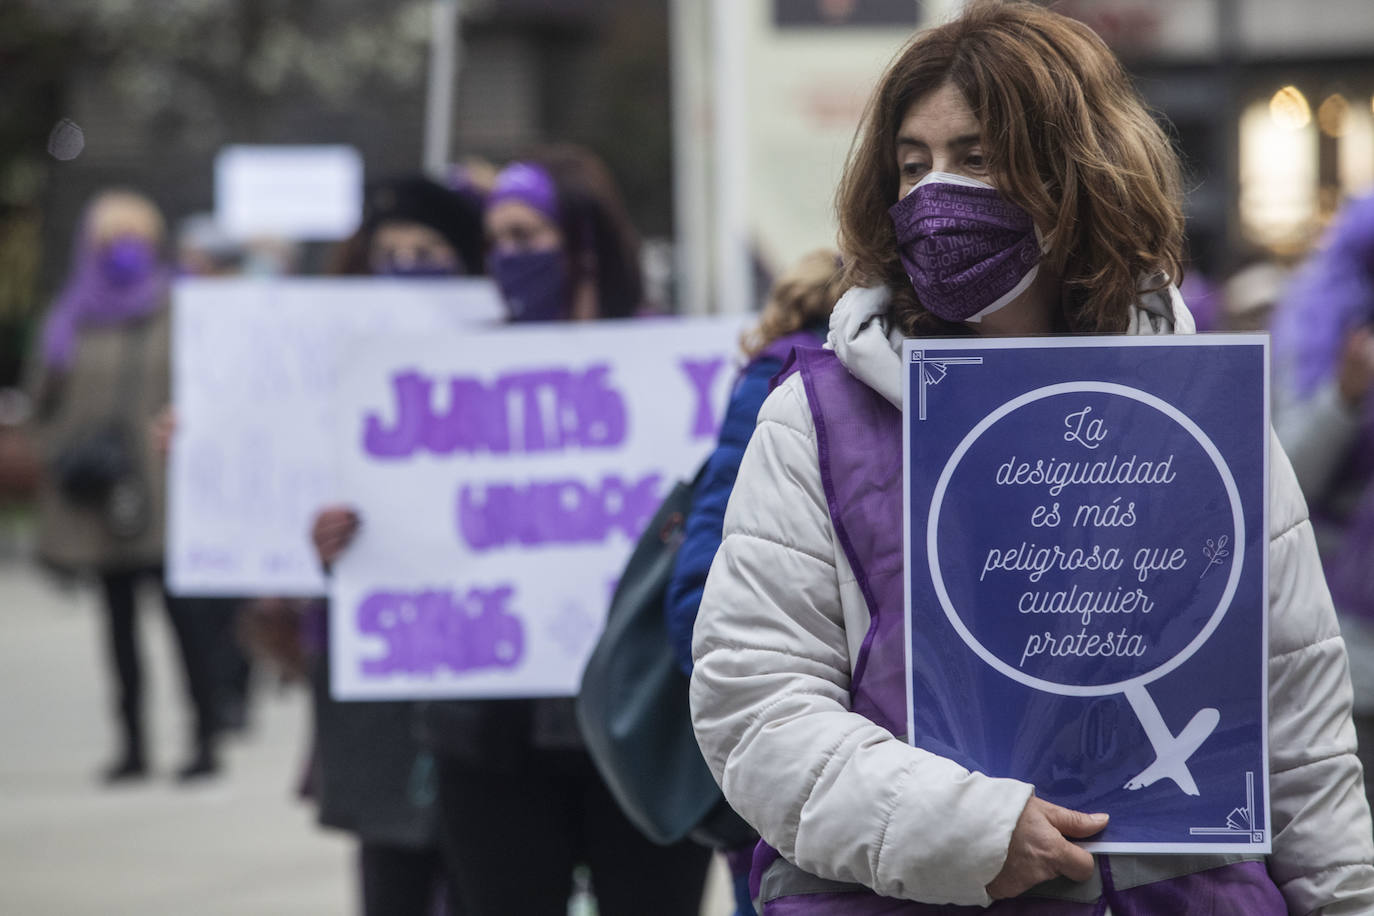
(254, 366)
(1086, 573)
(289, 192)
(502, 480)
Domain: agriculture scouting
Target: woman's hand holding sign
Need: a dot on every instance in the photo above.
(1039, 850)
(334, 529)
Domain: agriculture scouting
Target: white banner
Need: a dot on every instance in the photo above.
(254, 368)
(289, 192)
(502, 480)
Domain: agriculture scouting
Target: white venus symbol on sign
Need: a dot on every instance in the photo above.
(1171, 751)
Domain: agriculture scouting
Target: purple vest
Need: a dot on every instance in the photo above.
(859, 444)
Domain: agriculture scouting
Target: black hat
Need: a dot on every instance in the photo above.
(413, 198)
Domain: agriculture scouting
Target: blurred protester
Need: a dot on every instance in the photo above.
(797, 314)
(1204, 299)
(473, 177)
(101, 374)
(522, 803)
(203, 249)
(1250, 294)
(413, 227)
(206, 250)
(1324, 371)
(371, 775)
(20, 467)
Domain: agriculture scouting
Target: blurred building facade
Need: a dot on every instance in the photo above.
(726, 123)
(157, 89)
(1273, 106)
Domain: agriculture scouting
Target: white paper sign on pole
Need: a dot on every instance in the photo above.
(301, 193)
(502, 480)
(254, 368)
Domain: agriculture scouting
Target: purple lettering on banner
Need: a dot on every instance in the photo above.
(432, 630)
(555, 512)
(541, 410)
(412, 410)
(473, 422)
(600, 409)
(702, 375)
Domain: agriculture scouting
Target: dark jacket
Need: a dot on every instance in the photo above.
(370, 775)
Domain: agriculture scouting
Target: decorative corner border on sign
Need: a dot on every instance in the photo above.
(1241, 821)
(934, 369)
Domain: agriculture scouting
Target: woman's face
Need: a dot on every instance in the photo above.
(404, 247)
(939, 133)
(514, 226)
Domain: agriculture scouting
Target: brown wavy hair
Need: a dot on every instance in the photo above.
(804, 295)
(1066, 137)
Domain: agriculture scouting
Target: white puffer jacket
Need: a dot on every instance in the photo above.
(780, 628)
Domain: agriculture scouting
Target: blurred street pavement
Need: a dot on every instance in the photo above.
(240, 844)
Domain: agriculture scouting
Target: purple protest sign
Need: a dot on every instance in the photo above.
(502, 478)
(1086, 537)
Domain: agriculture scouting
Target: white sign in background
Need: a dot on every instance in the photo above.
(254, 367)
(502, 480)
(306, 193)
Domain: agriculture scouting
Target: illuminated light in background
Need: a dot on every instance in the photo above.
(1289, 109)
(1278, 177)
(1332, 115)
(1355, 154)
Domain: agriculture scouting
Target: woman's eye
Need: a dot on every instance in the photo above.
(913, 169)
(976, 161)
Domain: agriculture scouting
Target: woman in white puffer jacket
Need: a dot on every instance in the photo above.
(1023, 116)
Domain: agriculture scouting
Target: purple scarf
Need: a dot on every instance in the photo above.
(106, 287)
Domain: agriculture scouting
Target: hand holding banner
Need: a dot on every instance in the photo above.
(502, 478)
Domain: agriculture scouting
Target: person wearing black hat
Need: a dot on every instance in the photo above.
(415, 227)
(370, 774)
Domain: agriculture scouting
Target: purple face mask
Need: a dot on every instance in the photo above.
(126, 261)
(967, 250)
(533, 283)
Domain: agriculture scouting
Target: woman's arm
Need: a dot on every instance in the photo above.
(835, 793)
(1323, 858)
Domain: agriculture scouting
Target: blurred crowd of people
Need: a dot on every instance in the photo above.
(436, 793)
(489, 807)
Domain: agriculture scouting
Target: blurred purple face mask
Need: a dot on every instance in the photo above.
(967, 250)
(126, 261)
(533, 283)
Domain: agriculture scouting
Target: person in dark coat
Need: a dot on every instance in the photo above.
(797, 314)
(522, 804)
(371, 775)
